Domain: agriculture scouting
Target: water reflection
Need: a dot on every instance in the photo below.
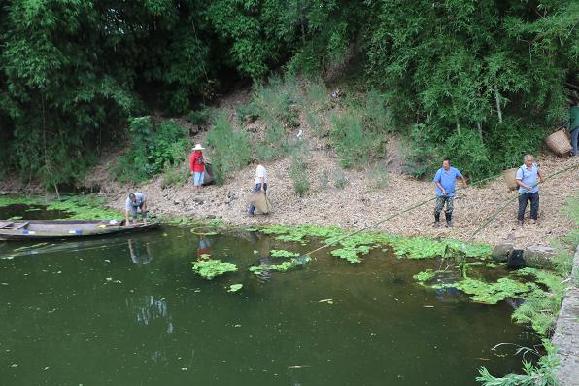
(152, 313)
(262, 245)
(204, 247)
(140, 251)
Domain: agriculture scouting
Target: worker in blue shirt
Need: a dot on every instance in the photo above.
(528, 178)
(445, 182)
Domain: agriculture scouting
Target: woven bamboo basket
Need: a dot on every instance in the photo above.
(509, 176)
(558, 143)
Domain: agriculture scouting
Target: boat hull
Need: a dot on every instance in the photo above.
(42, 230)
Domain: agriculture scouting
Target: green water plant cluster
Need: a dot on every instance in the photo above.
(78, 207)
(300, 232)
(287, 265)
(209, 269)
(542, 305)
(491, 293)
(351, 248)
(424, 276)
(84, 207)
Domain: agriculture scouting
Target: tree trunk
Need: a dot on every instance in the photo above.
(498, 103)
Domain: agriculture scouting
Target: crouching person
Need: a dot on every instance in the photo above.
(136, 203)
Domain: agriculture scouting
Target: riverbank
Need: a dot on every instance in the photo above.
(353, 202)
(356, 205)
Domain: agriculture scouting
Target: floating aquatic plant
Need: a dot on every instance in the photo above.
(540, 308)
(351, 254)
(282, 267)
(350, 247)
(235, 287)
(491, 293)
(425, 275)
(551, 280)
(210, 269)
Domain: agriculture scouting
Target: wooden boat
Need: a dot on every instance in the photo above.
(52, 229)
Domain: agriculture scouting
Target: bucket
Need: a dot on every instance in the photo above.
(516, 259)
(509, 176)
(558, 143)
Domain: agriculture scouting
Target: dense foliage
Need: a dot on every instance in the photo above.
(482, 78)
(152, 148)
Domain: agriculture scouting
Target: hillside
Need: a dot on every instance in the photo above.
(357, 197)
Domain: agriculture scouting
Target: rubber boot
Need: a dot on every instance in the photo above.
(448, 220)
(436, 220)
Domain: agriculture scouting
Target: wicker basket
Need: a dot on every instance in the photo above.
(558, 143)
(509, 176)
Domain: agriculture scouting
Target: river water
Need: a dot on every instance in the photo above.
(128, 310)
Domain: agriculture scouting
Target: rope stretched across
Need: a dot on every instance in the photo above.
(333, 242)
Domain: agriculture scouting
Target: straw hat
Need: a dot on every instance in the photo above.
(198, 147)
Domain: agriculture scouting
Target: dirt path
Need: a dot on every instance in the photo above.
(357, 206)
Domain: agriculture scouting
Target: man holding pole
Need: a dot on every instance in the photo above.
(528, 178)
(445, 182)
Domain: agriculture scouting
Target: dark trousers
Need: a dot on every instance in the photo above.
(524, 198)
(256, 189)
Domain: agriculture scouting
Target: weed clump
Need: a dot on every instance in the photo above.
(153, 148)
(231, 149)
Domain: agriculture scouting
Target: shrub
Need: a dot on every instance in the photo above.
(152, 149)
(298, 175)
(354, 144)
(175, 175)
(231, 149)
(511, 140)
(468, 152)
(247, 112)
(376, 115)
(201, 117)
(276, 102)
(423, 152)
(378, 175)
(315, 96)
(340, 179)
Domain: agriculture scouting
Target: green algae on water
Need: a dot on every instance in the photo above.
(209, 269)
